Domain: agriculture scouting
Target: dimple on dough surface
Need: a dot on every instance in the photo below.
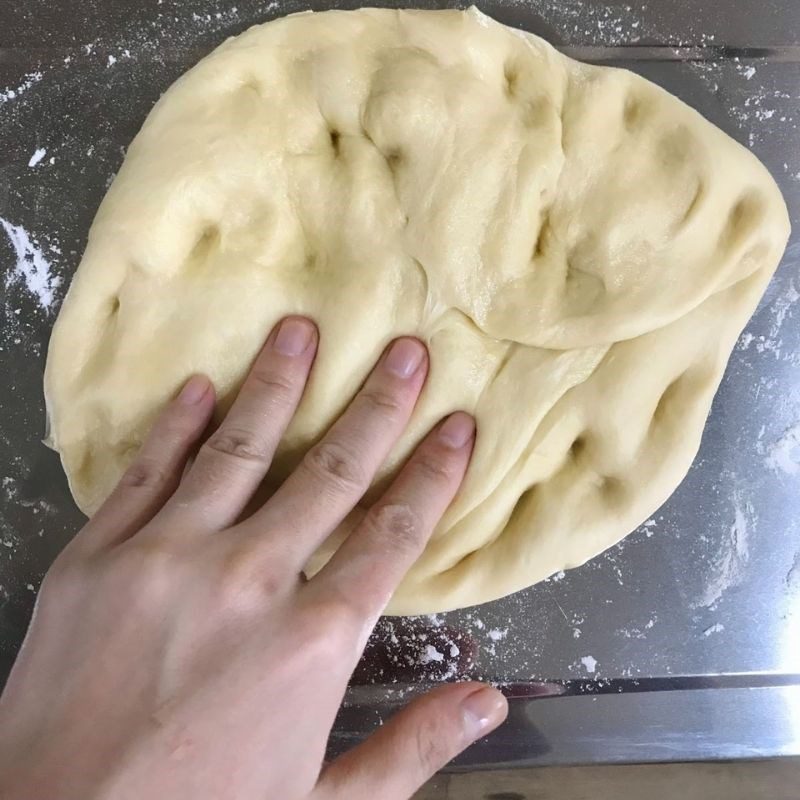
(577, 247)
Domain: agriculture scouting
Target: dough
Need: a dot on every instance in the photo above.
(579, 249)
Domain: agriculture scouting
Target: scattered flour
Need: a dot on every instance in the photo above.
(649, 526)
(728, 564)
(781, 307)
(590, 663)
(784, 454)
(12, 94)
(37, 157)
(32, 267)
(717, 627)
(431, 654)
(747, 72)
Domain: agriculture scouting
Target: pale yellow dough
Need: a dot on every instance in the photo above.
(578, 248)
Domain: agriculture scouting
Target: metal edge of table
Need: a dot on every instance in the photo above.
(699, 722)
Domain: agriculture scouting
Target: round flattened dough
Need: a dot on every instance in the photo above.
(578, 248)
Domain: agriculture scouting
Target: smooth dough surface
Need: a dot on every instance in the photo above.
(578, 248)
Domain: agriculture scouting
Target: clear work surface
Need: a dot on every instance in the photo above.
(679, 643)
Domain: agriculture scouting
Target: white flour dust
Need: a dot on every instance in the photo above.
(590, 663)
(37, 157)
(430, 654)
(784, 454)
(728, 564)
(13, 93)
(781, 309)
(32, 267)
(717, 627)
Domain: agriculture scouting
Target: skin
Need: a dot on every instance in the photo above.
(174, 641)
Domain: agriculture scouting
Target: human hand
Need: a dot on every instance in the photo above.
(174, 643)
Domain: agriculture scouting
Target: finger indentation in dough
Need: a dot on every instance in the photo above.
(669, 402)
(335, 137)
(511, 76)
(578, 448)
(393, 160)
(632, 113)
(612, 489)
(694, 205)
(543, 237)
(206, 244)
(535, 113)
(744, 217)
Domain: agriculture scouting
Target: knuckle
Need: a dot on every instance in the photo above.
(237, 443)
(398, 524)
(434, 470)
(144, 473)
(432, 743)
(377, 400)
(246, 581)
(145, 573)
(332, 621)
(272, 383)
(336, 464)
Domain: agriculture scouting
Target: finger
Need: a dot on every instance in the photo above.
(336, 472)
(415, 744)
(233, 462)
(156, 471)
(372, 561)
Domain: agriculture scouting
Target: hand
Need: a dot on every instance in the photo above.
(176, 650)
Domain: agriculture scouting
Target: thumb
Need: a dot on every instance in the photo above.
(417, 742)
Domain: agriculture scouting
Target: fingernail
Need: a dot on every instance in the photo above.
(482, 711)
(294, 336)
(193, 390)
(457, 430)
(404, 357)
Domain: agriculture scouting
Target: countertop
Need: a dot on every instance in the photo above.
(679, 643)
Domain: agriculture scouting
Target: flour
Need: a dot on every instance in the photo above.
(728, 564)
(649, 527)
(431, 654)
(37, 157)
(784, 454)
(32, 268)
(12, 94)
(783, 306)
(599, 24)
(590, 663)
(780, 309)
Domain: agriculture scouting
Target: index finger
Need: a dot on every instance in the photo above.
(370, 564)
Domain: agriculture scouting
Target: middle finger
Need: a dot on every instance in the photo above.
(337, 471)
